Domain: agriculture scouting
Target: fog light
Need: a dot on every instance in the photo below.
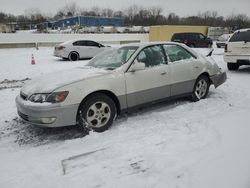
(48, 120)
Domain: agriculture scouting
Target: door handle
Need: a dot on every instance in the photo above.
(196, 67)
(163, 73)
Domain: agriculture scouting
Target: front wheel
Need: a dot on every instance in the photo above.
(201, 88)
(97, 113)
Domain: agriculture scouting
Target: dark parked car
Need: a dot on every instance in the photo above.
(193, 40)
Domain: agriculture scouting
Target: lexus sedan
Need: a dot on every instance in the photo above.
(78, 49)
(117, 80)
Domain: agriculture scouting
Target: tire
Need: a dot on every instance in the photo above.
(73, 56)
(233, 66)
(97, 112)
(201, 88)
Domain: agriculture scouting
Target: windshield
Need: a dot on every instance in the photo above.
(113, 58)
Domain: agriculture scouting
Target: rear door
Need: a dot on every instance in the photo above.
(182, 68)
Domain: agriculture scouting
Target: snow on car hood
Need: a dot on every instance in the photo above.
(52, 81)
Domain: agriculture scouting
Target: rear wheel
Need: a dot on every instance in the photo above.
(97, 112)
(201, 88)
(232, 66)
(73, 56)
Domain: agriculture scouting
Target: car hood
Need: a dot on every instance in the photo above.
(49, 82)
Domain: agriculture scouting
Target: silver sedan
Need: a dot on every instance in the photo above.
(117, 80)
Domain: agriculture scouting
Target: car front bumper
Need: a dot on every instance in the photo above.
(46, 115)
(219, 78)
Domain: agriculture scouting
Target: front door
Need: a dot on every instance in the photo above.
(151, 83)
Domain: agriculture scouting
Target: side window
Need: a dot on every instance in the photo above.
(191, 36)
(152, 56)
(202, 37)
(92, 43)
(196, 36)
(80, 43)
(177, 53)
(141, 57)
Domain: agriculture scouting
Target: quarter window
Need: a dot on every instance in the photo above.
(177, 53)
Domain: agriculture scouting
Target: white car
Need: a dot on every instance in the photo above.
(117, 80)
(78, 49)
(237, 49)
(221, 42)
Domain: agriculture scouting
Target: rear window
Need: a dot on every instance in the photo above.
(240, 36)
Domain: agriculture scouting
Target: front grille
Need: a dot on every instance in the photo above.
(23, 116)
(23, 96)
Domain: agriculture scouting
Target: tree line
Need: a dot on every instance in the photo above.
(133, 15)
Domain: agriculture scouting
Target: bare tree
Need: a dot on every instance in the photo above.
(70, 9)
(133, 15)
(238, 21)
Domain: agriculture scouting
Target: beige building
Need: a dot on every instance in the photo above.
(6, 28)
(165, 32)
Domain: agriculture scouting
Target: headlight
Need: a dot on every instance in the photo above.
(49, 97)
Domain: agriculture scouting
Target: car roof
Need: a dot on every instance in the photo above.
(145, 44)
(188, 33)
(242, 30)
(75, 40)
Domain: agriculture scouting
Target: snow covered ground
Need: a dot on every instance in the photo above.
(175, 144)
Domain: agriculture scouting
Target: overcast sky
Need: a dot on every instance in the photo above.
(180, 7)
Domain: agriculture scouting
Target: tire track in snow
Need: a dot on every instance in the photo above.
(7, 84)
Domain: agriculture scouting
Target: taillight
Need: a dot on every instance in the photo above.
(225, 48)
(60, 47)
(185, 41)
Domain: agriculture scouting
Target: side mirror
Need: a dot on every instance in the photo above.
(137, 66)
